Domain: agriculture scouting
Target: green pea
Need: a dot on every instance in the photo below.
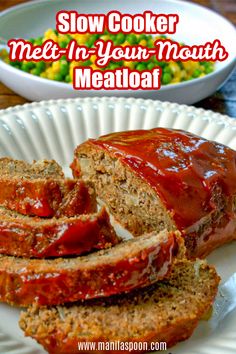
(58, 77)
(120, 63)
(115, 42)
(112, 36)
(64, 68)
(142, 36)
(205, 63)
(166, 78)
(16, 66)
(196, 73)
(167, 70)
(162, 64)
(67, 78)
(86, 63)
(132, 39)
(150, 43)
(180, 64)
(40, 66)
(141, 67)
(31, 40)
(63, 44)
(35, 71)
(91, 40)
(27, 66)
(38, 41)
(209, 69)
(120, 38)
(88, 43)
(15, 63)
(150, 66)
(113, 66)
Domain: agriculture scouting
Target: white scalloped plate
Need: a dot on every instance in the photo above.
(52, 129)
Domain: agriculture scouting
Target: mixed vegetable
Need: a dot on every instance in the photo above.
(62, 70)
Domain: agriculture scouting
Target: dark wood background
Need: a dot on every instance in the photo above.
(223, 101)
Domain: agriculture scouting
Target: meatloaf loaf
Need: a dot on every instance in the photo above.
(26, 236)
(167, 311)
(41, 189)
(165, 178)
(134, 263)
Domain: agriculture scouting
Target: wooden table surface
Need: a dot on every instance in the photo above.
(223, 101)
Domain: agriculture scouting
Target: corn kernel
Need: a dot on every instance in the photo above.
(94, 67)
(50, 34)
(93, 58)
(81, 38)
(183, 74)
(56, 67)
(105, 37)
(190, 66)
(143, 42)
(73, 64)
(175, 80)
(125, 44)
(50, 76)
(63, 37)
(175, 69)
(44, 75)
(129, 64)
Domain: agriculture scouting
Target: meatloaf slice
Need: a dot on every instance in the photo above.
(167, 311)
(18, 168)
(165, 178)
(131, 264)
(81, 199)
(40, 189)
(26, 236)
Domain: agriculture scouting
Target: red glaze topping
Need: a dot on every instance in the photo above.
(49, 285)
(221, 230)
(55, 238)
(47, 198)
(80, 200)
(183, 169)
(30, 198)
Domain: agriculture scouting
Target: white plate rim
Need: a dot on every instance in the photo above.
(209, 114)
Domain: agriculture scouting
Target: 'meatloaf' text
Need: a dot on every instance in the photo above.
(120, 79)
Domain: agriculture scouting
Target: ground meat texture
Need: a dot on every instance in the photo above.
(167, 311)
(129, 265)
(40, 189)
(164, 178)
(33, 237)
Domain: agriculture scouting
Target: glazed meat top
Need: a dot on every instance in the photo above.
(190, 174)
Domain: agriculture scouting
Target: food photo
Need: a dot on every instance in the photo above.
(117, 177)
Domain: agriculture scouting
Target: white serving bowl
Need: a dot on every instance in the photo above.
(197, 25)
